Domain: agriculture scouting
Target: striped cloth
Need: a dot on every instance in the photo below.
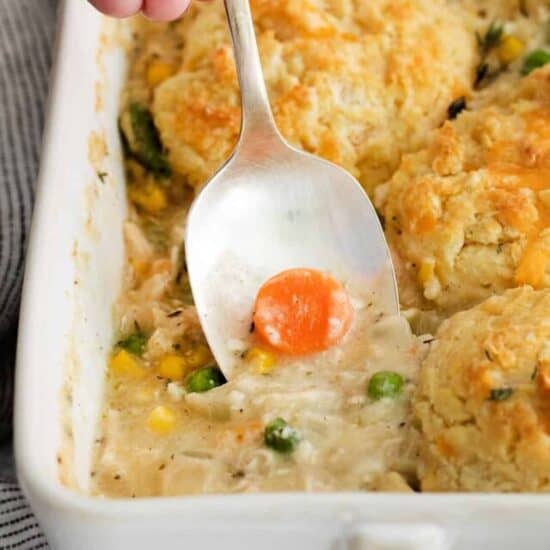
(26, 33)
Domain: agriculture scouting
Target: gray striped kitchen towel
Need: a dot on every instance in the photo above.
(27, 30)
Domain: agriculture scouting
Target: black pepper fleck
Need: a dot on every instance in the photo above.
(456, 107)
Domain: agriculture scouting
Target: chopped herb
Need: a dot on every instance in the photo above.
(134, 343)
(280, 436)
(102, 176)
(491, 39)
(536, 59)
(428, 340)
(499, 248)
(482, 72)
(488, 355)
(385, 384)
(143, 141)
(500, 394)
(456, 107)
(175, 313)
(205, 379)
(534, 373)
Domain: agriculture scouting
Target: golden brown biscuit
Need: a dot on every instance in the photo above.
(483, 401)
(355, 82)
(469, 216)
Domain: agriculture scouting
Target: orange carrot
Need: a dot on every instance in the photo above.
(302, 311)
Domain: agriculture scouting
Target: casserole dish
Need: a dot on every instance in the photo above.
(73, 278)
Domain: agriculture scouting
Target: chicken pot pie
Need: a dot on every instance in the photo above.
(440, 108)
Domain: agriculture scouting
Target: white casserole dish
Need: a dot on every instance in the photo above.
(73, 276)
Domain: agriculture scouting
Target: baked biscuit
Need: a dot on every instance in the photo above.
(355, 82)
(469, 216)
(483, 400)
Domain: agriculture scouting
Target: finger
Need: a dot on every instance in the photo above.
(165, 10)
(118, 8)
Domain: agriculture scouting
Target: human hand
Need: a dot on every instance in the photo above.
(161, 10)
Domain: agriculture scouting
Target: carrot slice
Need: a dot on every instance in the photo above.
(302, 311)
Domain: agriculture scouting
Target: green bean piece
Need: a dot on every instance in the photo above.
(144, 142)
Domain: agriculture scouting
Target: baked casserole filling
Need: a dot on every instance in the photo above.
(441, 109)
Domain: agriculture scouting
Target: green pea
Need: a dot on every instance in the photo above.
(385, 384)
(134, 343)
(205, 379)
(280, 436)
(536, 59)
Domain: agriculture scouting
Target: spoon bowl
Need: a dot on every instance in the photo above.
(272, 207)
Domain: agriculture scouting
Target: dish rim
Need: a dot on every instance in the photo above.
(234, 507)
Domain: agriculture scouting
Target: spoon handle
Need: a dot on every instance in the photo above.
(256, 112)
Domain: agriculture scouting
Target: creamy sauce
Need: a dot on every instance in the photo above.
(180, 118)
(347, 439)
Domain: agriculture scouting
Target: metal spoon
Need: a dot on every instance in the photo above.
(272, 207)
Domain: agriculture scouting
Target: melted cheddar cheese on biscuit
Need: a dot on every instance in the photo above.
(469, 216)
(441, 109)
(355, 82)
(483, 403)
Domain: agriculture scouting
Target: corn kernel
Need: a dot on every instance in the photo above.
(426, 271)
(151, 197)
(509, 49)
(172, 367)
(159, 71)
(161, 420)
(261, 359)
(125, 364)
(198, 356)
